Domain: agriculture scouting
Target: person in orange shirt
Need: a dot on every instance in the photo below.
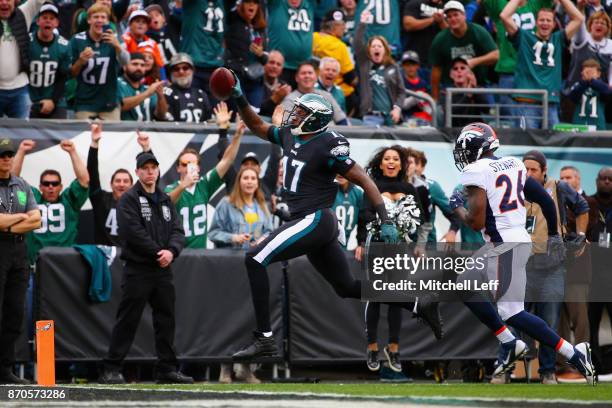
(136, 38)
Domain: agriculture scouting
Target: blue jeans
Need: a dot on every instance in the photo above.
(15, 103)
(545, 294)
(536, 123)
(506, 81)
(373, 120)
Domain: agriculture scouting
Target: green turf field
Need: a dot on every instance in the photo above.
(602, 392)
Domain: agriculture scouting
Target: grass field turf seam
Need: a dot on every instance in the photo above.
(576, 393)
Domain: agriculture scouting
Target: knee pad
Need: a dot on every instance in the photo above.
(508, 309)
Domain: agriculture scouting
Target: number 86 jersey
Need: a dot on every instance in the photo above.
(310, 167)
(503, 180)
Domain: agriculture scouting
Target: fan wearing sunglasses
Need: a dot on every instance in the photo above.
(59, 208)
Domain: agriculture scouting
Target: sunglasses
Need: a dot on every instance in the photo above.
(7, 154)
(51, 183)
(181, 68)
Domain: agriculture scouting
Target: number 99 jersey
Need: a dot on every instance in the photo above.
(503, 180)
(310, 167)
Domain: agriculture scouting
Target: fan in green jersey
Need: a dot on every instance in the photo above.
(539, 58)
(192, 192)
(59, 209)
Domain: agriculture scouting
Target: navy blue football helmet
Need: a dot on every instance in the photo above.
(473, 141)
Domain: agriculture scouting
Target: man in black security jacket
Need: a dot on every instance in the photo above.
(152, 237)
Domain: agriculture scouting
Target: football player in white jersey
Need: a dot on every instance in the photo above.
(495, 191)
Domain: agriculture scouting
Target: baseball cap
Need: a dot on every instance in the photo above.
(136, 56)
(454, 5)
(537, 156)
(156, 7)
(411, 56)
(50, 7)
(181, 58)
(335, 15)
(139, 13)
(144, 158)
(6, 146)
(462, 58)
(250, 156)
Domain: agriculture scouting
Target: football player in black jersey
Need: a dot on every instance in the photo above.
(186, 103)
(312, 156)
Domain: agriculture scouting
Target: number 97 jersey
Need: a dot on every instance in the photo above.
(503, 180)
(310, 167)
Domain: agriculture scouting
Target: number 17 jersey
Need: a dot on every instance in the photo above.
(503, 180)
(310, 167)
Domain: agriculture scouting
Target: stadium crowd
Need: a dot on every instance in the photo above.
(122, 62)
(152, 61)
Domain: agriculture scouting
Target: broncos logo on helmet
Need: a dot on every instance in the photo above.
(473, 141)
(311, 113)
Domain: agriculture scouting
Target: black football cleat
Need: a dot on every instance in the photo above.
(259, 348)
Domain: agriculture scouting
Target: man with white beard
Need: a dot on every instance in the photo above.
(186, 103)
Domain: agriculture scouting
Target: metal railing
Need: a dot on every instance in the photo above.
(496, 114)
(427, 98)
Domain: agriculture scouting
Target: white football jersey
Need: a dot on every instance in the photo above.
(503, 180)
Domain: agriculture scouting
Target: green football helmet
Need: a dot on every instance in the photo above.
(311, 113)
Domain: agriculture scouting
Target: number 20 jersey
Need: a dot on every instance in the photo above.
(310, 167)
(503, 180)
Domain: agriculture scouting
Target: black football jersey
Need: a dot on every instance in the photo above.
(310, 167)
(186, 105)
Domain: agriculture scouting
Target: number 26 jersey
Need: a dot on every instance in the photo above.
(310, 167)
(503, 180)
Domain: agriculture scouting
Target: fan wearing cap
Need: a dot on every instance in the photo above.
(96, 58)
(414, 107)
(132, 39)
(60, 209)
(290, 27)
(140, 102)
(463, 77)
(328, 43)
(18, 215)
(50, 60)
(165, 28)
(152, 238)
(539, 58)
(460, 38)
(153, 72)
(383, 20)
(186, 103)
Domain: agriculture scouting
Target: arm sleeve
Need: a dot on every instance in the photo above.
(338, 155)
(535, 193)
(131, 229)
(213, 182)
(601, 87)
(574, 200)
(515, 39)
(94, 175)
(77, 194)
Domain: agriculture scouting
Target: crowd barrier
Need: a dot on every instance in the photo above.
(214, 314)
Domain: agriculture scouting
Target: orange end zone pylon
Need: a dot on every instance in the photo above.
(45, 352)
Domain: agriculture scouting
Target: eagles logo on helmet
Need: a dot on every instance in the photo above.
(311, 113)
(473, 141)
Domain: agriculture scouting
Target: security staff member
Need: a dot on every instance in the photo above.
(152, 237)
(18, 214)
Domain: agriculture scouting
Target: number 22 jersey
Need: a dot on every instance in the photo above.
(503, 180)
(310, 167)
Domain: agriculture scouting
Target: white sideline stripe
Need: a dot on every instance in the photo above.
(386, 398)
(284, 236)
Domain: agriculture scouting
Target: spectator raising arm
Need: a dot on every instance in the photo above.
(506, 17)
(92, 160)
(576, 18)
(230, 153)
(80, 170)
(25, 146)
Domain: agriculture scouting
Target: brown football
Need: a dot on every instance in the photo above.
(221, 83)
